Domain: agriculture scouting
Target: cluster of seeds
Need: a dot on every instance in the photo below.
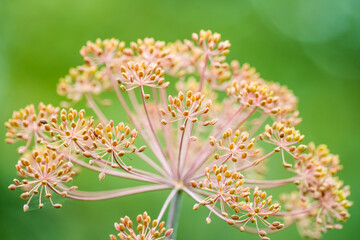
(42, 172)
(145, 229)
(211, 44)
(81, 81)
(317, 182)
(284, 138)
(321, 155)
(257, 208)
(110, 143)
(70, 132)
(188, 108)
(134, 75)
(305, 222)
(254, 93)
(287, 103)
(101, 52)
(237, 206)
(184, 59)
(236, 145)
(333, 204)
(224, 186)
(329, 209)
(249, 89)
(314, 168)
(26, 124)
(152, 51)
(217, 75)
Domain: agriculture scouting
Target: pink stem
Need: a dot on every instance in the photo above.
(116, 173)
(185, 156)
(168, 133)
(165, 134)
(271, 182)
(164, 162)
(298, 212)
(180, 148)
(202, 77)
(152, 163)
(95, 196)
(96, 109)
(166, 204)
(246, 118)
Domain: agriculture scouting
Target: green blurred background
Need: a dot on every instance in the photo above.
(309, 45)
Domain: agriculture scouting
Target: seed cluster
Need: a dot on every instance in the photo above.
(152, 51)
(145, 229)
(81, 81)
(110, 143)
(254, 93)
(134, 75)
(236, 145)
(187, 107)
(285, 138)
(236, 203)
(101, 52)
(317, 182)
(42, 172)
(26, 124)
(70, 131)
(211, 44)
(225, 186)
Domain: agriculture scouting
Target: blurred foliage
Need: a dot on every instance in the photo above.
(310, 45)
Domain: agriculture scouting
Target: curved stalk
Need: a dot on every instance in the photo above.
(95, 196)
(179, 163)
(115, 173)
(298, 212)
(163, 158)
(202, 76)
(270, 182)
(166, 204)
(96, 109)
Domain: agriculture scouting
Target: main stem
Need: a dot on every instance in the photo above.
(174, 214)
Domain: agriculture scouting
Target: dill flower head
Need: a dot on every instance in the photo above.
(110, 143)
(151, 51)
(187, 108)
(141, 74)
(145, 229)
(70, 132)
(236, 146)
(192, 123)
(26, 124)
(82, 81)
(101, 52)
(42, 172)
(237, 204)
(211, 44)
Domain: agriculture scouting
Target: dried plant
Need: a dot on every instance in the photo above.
(211, 140)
